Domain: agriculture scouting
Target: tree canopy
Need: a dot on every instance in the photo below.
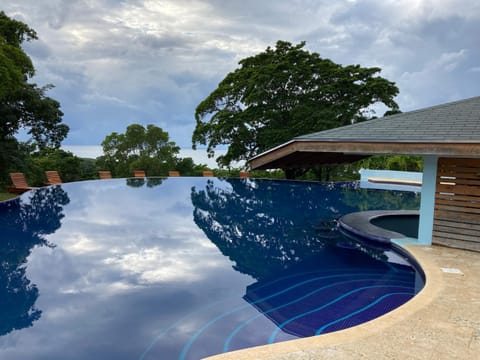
(14, 63)
(282, 93)
(23, 104)
(139, 148)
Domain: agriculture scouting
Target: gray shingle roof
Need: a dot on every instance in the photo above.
(456, 122)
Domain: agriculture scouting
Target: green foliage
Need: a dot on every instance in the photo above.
(396, 162)
(140, 148)
(259, 174)
(13, 156)
(35, 163)
(268, 174)
(350, 172)
(187, 167)
(88, 169)
(68, 166)
(15, 65)
(22, 104)
(282, 93)
(342, 172)
(30, 108)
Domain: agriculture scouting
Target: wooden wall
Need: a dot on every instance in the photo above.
(457, 203)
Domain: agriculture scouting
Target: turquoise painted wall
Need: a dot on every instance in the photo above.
(427, 203)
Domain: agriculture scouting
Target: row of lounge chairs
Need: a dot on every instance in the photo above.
(20, 185)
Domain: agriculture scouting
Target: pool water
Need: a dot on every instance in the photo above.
(403, 224)
(184, 268)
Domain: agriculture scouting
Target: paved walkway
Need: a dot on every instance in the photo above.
(441, 322)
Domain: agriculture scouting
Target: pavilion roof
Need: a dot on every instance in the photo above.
(451, 129)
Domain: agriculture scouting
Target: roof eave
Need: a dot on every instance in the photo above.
(322, 152)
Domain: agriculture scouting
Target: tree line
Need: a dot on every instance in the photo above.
(280, 93)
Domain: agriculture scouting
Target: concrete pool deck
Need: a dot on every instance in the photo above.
(441, 322)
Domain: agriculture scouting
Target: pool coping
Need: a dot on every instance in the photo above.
(404, 324)
(359, 224)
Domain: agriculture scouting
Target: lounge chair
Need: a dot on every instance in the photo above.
(208, 173)
(19, 184)
(53, 178)
(244, 174)
(173, 173)
(139, 174)
(104, 175)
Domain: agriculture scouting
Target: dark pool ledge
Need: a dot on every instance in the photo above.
(360, 224)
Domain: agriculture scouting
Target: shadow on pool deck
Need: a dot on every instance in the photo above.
(441, 322)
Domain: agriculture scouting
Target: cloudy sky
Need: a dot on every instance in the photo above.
(152, 61)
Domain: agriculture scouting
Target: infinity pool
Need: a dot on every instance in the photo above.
(184, 268)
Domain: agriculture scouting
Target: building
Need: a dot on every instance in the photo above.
(447, 136)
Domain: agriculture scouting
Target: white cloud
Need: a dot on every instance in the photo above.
(114, 63)
(449, 61)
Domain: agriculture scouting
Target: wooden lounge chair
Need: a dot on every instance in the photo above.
(173, 173)
(104, 175)
(139, 174)
(244, 174)
(19, 184)
(208, 173)
(53, 178)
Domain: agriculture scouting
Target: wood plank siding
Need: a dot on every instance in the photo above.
(457, 203)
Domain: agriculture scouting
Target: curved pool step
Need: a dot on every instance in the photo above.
(359, 224)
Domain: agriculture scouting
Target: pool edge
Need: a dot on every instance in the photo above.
(359, 224)
(433, 286)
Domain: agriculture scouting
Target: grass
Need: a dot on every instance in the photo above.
(6, 196)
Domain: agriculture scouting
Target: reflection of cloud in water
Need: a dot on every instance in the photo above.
(120, 268)
(132, 271)
(117, 269)
(154, 265)
(81, 244)
(155, 252)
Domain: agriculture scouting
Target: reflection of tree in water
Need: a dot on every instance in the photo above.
(264, 222)
(266, 226)
(139, 182)
(371, 199)
(24, 223)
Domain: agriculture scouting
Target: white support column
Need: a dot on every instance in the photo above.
(427, 204)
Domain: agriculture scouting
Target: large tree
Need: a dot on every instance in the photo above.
(282, 93)
(23, 104)
(139, 148)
